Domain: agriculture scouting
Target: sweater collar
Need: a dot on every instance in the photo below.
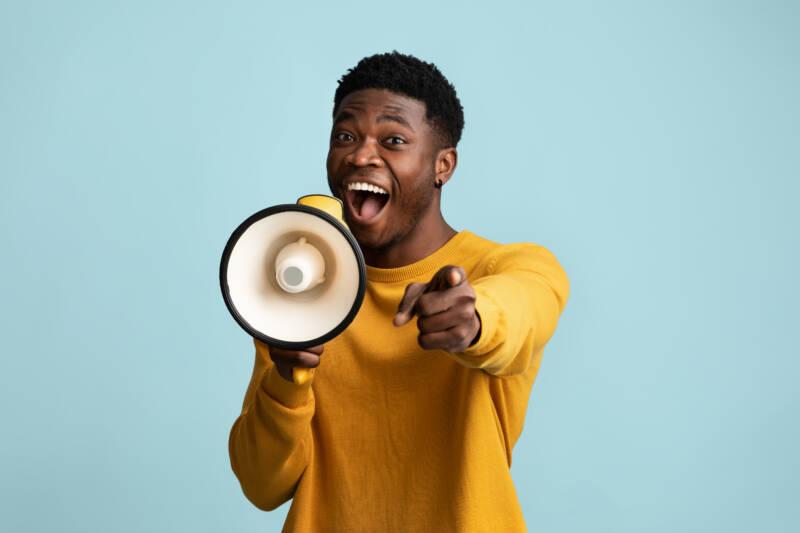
(441, 257)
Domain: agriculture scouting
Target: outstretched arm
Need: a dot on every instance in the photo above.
(497, 322)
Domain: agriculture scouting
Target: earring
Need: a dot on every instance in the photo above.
(438, 184)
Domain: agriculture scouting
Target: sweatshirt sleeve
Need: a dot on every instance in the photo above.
(519, 302)
(270, 443)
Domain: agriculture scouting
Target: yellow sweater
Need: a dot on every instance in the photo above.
(389, 437)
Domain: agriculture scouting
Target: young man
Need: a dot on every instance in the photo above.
(412, 413)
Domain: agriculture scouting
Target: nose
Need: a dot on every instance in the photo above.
(364, 154)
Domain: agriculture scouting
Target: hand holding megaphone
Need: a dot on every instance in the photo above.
(286, 361)
(294, 277)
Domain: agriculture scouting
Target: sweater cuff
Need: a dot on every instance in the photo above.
(285, 392)
(489, 313)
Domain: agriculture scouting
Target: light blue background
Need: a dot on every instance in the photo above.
(653, 146)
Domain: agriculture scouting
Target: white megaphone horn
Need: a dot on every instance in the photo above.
(293, 275)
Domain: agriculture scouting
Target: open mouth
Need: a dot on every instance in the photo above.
(365, 202)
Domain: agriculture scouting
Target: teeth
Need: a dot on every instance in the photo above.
(362, 186)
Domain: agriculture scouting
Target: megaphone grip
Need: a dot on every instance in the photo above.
(300, 376)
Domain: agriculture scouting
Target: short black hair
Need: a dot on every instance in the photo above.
(407, 75)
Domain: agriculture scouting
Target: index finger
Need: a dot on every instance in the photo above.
(406, 308)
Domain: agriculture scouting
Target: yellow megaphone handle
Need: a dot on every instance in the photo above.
(329, 204)
(300, 376)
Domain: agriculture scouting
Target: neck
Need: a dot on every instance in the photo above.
(427, 236)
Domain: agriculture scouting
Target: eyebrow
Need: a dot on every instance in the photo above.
(346, 115)
(395, 118)
(341, 116)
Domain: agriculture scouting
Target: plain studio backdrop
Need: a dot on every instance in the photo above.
(654, 147)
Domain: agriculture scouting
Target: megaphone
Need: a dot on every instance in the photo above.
(293, 275)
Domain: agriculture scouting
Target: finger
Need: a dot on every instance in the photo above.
(284, 352)
(307, 360)
(446, 319)
(455, 339)
(432, 303)
(438, 340)
(446, 277)
(316, 349)
(295, 358)
(405, 309)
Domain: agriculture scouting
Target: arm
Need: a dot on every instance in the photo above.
(270, 443)
(519, 303)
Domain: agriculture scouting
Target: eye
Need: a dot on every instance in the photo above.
(343, 136)
(395, 140)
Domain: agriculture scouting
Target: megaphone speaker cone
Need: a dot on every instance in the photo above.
(299, 267)
(293, 276)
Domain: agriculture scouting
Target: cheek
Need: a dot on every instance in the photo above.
(411, 172)
(415, 200)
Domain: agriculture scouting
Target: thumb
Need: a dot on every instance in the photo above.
(455, 276)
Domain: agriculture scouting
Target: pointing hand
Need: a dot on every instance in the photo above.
(445, 307)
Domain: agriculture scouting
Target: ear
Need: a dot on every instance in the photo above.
(445, 165)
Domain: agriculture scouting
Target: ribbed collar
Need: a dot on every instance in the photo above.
(433, 262)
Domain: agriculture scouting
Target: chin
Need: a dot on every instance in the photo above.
(368, 239)
(371, 238)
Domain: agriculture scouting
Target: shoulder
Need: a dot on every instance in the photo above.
(493, 256)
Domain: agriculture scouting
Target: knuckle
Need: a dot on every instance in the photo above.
(425, 341)
(450, 345)
(424, 325)
(424, 305)
(465, 312)
(460, 333)
(459, 342)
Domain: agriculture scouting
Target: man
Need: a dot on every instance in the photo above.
(411, 415)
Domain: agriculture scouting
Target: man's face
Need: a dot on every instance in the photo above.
(382, 139)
